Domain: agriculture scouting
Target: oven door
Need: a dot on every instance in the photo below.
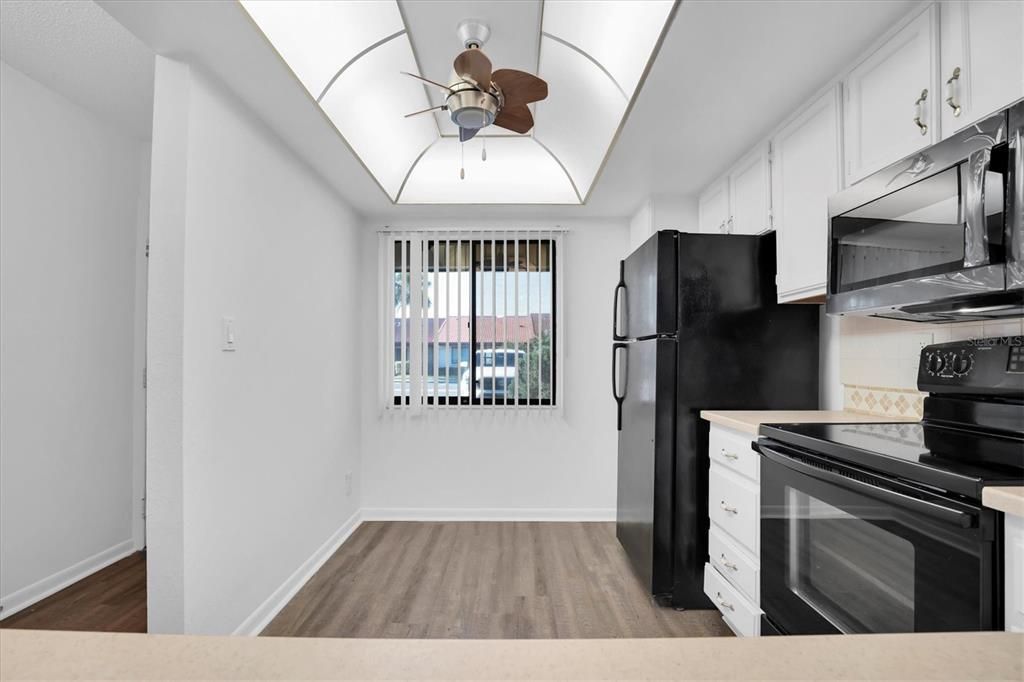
(844, 551)
(931, 229)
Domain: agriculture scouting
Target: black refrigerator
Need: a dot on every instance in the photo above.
(696, 327)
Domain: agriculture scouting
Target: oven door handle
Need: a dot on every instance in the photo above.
(932, 510)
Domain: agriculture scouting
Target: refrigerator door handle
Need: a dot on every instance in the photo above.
(621, 286)
(616, 347)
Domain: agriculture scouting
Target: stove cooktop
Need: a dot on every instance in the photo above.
(953, 460)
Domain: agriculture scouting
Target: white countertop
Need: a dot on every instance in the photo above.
(748, 421)
(28, 654)
(1008, 499)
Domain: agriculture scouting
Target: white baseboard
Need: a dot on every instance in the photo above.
(266, 611)
(486, 514)
(41, 589)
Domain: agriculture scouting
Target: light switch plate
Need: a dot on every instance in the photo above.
(228, 334)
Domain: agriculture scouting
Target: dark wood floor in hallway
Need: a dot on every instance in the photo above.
(482, 580)
(112, 599)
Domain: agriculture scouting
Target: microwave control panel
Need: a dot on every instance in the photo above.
(974, 366)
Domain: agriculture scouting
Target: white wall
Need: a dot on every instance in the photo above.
(482, 463)
(662, 212)
(268, 431)
(641, 226)
(674, 212)
(70, 229)
(830, 387)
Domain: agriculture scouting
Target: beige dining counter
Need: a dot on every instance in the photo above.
(748, 421)
(77, 655)
(1008, 499)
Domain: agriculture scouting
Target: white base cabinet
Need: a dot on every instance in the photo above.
(733, 572)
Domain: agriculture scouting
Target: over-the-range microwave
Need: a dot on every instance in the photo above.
(938, 236)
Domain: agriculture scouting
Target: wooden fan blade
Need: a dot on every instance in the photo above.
(520, 87)
(423, 111)
(427, 80)
(516, 118)
(467, 134)
(476, 65)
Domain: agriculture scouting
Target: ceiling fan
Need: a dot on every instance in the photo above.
(479, 97)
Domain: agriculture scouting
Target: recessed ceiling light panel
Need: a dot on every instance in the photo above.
(349, 55)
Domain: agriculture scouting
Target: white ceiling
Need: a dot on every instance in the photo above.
(80, 51)
(727, 73)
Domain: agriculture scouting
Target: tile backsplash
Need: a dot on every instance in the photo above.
(878, 359)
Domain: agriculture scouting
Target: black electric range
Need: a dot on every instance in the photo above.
(880, 527)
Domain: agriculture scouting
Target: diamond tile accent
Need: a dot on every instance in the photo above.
(886, 402)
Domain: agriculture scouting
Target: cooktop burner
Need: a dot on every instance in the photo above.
(956, 460)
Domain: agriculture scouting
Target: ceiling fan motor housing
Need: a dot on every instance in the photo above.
(473, 32)
(470, 107)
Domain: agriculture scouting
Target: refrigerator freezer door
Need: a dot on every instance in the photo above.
(739, 350)
(646, 451)
(646, 297)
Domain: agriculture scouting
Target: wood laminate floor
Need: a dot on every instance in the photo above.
(112, 599)
(482, 580)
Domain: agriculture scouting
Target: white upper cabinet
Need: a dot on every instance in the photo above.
(748, 194)
(713, 208)
(981, 59)
(891, 103)
(805, 172)
(737, 203)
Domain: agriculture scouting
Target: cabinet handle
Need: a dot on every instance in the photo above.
(951, 92)
(727, 509)
(725, 562)
(729, 231)
(919, 110)
(721, 227)
(724, 604)
(729, 455)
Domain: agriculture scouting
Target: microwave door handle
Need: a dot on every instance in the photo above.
(976, 251)
(1015, 207)
(932, 510)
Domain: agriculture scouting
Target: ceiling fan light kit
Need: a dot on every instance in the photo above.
(480, 97)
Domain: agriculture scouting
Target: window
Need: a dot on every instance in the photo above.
(470, 319)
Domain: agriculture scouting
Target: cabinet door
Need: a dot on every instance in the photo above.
(886, 92)
(982, 59)
(748, 194)
(805, 172)
(713, 207)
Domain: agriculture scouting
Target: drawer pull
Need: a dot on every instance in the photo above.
(727, 509)
(729, 455)
(724, 604)
(727, 564)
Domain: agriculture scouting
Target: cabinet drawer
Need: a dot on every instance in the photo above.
(733, 505)
(732, 449)
(743, 617)
(738, 567)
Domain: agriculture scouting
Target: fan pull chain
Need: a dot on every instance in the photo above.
(462, 170)
(483, 154)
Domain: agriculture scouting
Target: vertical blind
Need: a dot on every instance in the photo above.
(470, 318)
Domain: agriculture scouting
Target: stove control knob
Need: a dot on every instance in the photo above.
(934, 363)
(962, 364)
